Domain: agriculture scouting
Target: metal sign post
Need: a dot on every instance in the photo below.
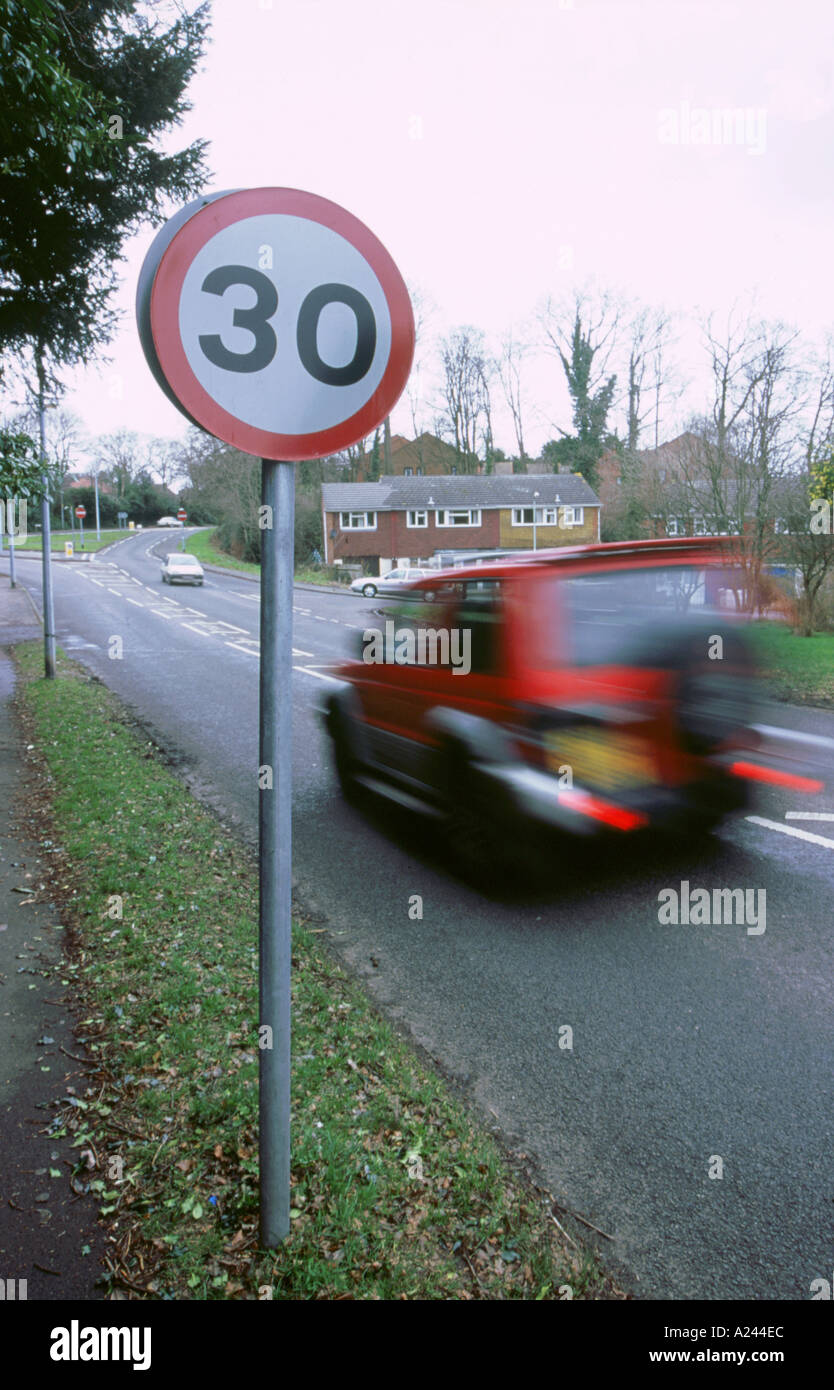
(182, 516)
(81, 512)
(279, 323)
(275, 834)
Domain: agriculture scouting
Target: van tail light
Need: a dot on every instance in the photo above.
(597, 808)
(754, 772)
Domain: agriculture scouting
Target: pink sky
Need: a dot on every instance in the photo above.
(507, 149)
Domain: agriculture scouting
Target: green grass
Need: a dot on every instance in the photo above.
(396, 1191)
(35, 542)
(799, 669)
(203, 544)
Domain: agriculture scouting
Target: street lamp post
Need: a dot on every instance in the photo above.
(98, 521)
(536, 496)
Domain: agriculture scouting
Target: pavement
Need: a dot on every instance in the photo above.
(45, 1227)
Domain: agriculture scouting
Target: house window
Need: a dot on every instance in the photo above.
(357, 521)
(408, 472)
(573, 516)
(672, 526)
(700, 527)
(414, 519)
(458, 516)
(545, 516)
(419, 472)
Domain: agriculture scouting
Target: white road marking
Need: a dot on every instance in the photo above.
(195, 611)
(163, 612)
(200, 630)
(296, 651)
(318, 619)
(117, 592)
(320, 676)
(135, 602)
(792, 830)
(809, 815)
(230, 626)
(250, 651)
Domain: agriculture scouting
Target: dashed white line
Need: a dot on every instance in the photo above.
(199, 630)
(135, 602)
(117, 592)
(792, 830)
(809, 815)
(250, 651)
(230, 626)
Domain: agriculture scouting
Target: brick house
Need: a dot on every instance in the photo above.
(411, 519)
(425, 456)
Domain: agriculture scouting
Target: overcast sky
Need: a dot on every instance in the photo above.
(504, 150)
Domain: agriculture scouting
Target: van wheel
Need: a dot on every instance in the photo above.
(347, 767)
(477, 843)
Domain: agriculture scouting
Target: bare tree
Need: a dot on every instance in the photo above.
(746, 444)
(466, 415)
(163, 457)
(121, 456)
(510, 369)
(647, 374)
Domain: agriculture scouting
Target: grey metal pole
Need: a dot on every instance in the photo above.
(275, 827)
(12, 575)
(46, 559)
(98, 523)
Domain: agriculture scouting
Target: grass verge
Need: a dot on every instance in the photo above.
(58, 538)
(204, 545)
(799, 669)
(396, 1191)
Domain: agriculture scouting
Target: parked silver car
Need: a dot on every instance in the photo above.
(391, 583)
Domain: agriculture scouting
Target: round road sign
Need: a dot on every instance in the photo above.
(81, 511)
(182, 514)
(278, 321)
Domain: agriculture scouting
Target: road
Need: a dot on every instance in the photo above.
(690, 1043)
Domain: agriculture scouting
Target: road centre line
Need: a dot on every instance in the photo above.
(809, 815)
(792, 830)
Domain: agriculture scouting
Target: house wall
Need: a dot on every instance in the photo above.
(394, 540)
(521, 537)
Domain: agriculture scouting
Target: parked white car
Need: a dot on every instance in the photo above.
(168, 521)
(391, 583)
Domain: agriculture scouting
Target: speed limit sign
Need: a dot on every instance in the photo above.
(277, 321)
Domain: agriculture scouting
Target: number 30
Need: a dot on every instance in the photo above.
(256, 320)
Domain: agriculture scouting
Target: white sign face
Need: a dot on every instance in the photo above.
(280, 323)
(226, 332)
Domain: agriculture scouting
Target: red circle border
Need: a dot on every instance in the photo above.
(195, 400)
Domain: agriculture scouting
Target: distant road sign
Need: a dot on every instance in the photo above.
(278, 322)
(81, 512)
(182, 514)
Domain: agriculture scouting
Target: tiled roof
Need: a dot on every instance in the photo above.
(464, 490)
